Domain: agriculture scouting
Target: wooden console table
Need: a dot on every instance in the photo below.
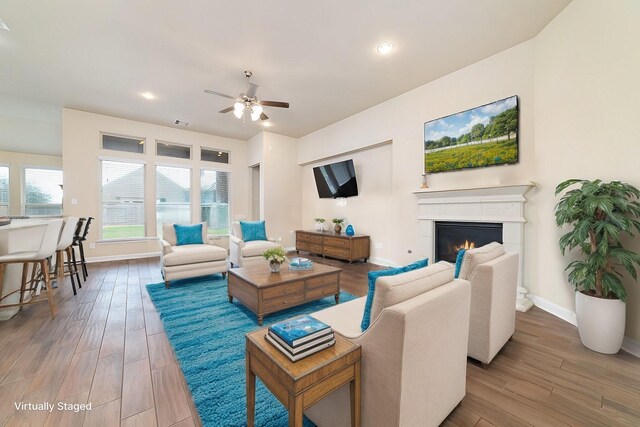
(334, 245)
(298, 385)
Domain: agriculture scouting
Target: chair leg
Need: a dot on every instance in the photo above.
(23, 281)
(44, 265)
(75, 270)
(83, 261)
(2, 267)
(71, 271)
(75, 264)
(60, 267)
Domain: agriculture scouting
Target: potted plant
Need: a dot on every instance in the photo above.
(338, 224)
(599, 214)
(319, 223)
(276, 257)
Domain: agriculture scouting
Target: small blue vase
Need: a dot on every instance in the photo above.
(349, 230)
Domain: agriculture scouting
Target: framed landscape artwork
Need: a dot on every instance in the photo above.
(479, 137)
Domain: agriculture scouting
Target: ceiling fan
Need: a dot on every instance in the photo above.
(247, 102)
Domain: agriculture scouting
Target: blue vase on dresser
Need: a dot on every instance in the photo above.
(349, 231)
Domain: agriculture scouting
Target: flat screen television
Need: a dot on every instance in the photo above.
(336, 180)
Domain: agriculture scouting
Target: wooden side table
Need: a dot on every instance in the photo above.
(298, 385)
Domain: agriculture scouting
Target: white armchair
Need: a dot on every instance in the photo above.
(246, 253)
(186, 261)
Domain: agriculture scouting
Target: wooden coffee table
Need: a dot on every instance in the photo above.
(264, 292)
(298, 385)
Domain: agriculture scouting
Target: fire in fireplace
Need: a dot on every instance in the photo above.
(452, 236)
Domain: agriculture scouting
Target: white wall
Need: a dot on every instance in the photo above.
(578, 88)
(587, 79)
(81, 166)
(401, 120)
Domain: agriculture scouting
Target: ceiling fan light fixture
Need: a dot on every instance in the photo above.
(3, 26)
(238, 106)
(238, 113)
(256, 110)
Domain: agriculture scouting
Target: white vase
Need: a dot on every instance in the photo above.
(600, 323)
(318, 226)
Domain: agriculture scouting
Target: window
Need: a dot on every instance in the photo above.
(122, 200)
(212, 155)
(214, 199)
(4, 190)
(173, 196)
(168, 149)
(123, 143)
(42, 192)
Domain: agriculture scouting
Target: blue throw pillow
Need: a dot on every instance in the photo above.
(459, 259)
(373, 275)
(253, 230)
(188, 234)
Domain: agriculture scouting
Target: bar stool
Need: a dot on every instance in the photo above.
(64, 248)
(78, 241)
(39, 258)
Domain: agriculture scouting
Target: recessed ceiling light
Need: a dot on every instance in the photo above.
(385, 48)
(3, 26)
(148, 95)
(266, 124)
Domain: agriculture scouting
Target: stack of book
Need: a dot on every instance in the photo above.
(300, 264)
(300, 337)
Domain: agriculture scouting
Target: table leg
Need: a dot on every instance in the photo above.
(251, 391)
(337, 297)
(260, 320)
(355, 396)
(295, 411)
(230, 298)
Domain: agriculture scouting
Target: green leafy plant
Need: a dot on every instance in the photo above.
(599, 214)
(275, 255)
(338, 221)
(319, 220)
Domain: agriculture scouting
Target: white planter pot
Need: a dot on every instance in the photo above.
(600, 323)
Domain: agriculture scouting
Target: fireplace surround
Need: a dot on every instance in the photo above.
(501, 204)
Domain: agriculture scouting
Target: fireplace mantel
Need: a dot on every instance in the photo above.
(500, 204)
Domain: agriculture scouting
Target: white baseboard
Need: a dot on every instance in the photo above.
(629, 345)
(382, 261)
(555, 309)
(123, 257)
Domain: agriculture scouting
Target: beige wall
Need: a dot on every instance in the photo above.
(587, 90)
(389, 174)
(578, 87)
(81, 153)
(16, 162)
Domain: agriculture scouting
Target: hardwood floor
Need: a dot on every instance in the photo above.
(107, 346)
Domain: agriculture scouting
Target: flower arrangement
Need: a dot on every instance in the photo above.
(338, 221)
(276, 255)
(319, 220)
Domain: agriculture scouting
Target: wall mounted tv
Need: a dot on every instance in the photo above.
(336, 180)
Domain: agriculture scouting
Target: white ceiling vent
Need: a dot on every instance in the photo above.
(3, 26)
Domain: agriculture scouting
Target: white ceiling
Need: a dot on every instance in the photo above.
(99, 55)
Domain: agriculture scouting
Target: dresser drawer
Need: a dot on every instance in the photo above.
(315, 239)
(283, 302)
(303, 237)
(283, 290)
(337, 242)
(318, 282)
(303, 246)
(336, 252)
(322, 292)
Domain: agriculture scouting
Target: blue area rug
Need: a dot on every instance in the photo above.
(207, 335)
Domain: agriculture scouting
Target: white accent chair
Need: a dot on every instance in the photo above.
(414, 353)
(493, 274)
(187, 261)
(246, 253)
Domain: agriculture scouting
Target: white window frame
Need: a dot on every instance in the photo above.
(118, 135)
(144, 192)
(161, 156)
(23, 189)
(229, 190)
(209, 162)
(8, 166)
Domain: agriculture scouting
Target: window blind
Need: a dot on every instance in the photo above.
(173, 196)
(214, 199)
(42, 192)
(4, 190)
(122, 200)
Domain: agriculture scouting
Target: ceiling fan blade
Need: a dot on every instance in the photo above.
(274, 104)
(263, 116)
(251, 90)
(226, 110)
(213, 92)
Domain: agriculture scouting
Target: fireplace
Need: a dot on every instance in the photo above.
(450, 237)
